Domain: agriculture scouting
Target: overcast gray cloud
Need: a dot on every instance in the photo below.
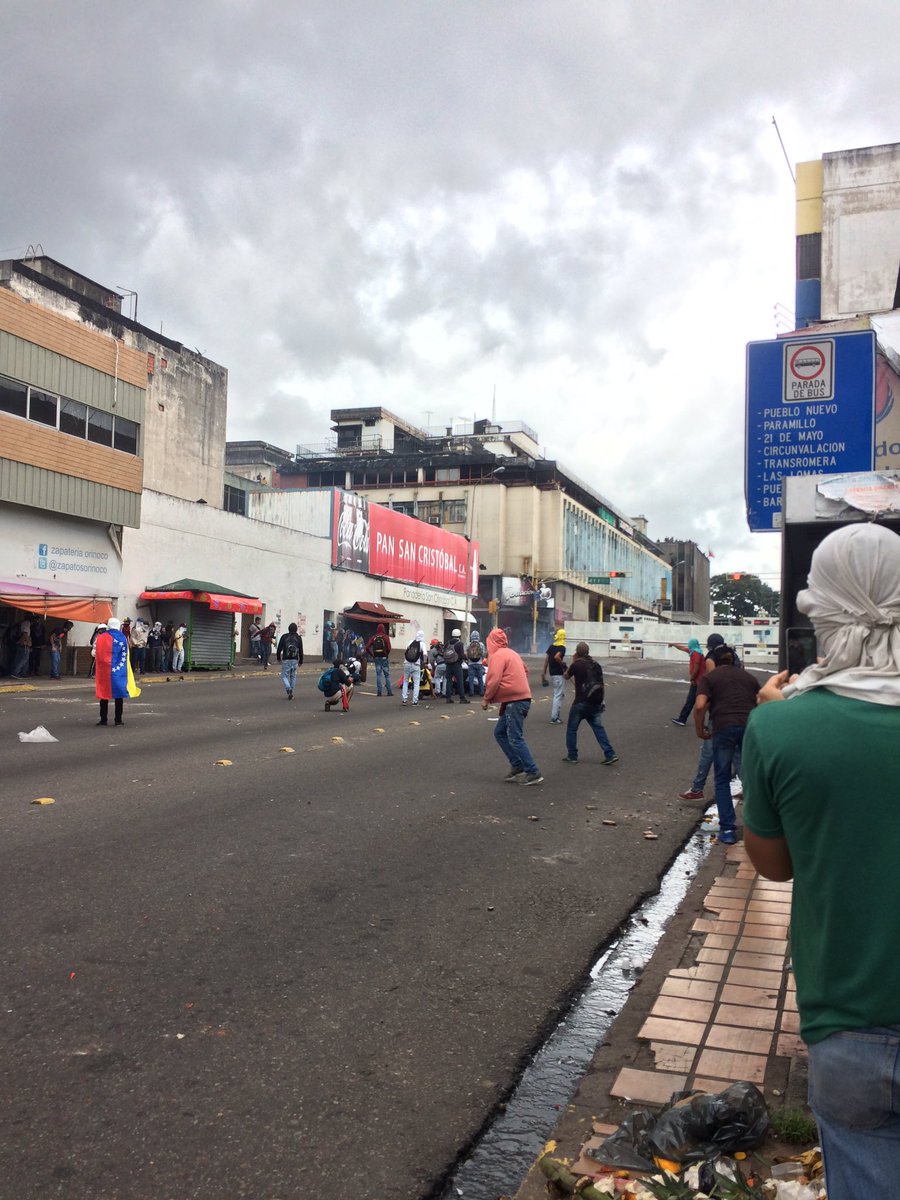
(580, 206)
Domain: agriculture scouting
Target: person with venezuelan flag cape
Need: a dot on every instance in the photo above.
(113, 679)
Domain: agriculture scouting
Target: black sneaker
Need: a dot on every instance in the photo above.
(536, 777)
(568, 759)
(514, 776)
(607, 762)
(677, 721)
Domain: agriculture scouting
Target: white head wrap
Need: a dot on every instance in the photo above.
(114, 623)
(853, 601)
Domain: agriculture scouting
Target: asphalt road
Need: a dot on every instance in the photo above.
(305, 974)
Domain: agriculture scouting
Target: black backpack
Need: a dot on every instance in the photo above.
(412, 652)
(291, 646)
(594, 689)
(379, 647)
(450, 653)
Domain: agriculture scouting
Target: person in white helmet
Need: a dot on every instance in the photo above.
(454, 653)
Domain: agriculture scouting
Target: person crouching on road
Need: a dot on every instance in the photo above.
(338, 686)
(290, 654)
(587, 705)
(507, 684)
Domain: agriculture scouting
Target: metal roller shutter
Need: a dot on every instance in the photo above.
(210, 638)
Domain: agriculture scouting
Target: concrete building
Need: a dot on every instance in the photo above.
(113, 489)
(689, 601)
(551, 548)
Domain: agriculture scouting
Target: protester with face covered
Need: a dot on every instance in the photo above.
(821, 775)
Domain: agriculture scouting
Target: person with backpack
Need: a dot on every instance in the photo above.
(413, 661)
(555, 664)
(337, 685)
(378, 648)
(290, 654)
(475, 660)
(454, 653)
(587, 705)
(254, 632)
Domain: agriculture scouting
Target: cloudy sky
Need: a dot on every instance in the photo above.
(579, 207)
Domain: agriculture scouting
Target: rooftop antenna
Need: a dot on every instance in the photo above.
(783, 151)
(494, 407)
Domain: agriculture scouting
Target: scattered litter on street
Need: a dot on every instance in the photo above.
(223, 762)
(287, 749)
(44, 800)
(39, 734)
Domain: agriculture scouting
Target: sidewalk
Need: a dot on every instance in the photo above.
(716, 1004)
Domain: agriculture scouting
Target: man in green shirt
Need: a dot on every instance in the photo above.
(821, 778)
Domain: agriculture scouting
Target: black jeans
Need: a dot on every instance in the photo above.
(104, 710)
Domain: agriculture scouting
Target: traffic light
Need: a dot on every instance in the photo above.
(737, 574)
(618, 574)
(493, 606)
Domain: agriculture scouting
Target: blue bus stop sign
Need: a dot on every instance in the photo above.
(810, 410)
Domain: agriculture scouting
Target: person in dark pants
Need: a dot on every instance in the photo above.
(587, 705)
(696, 671)
(454, 664)
(113, 678)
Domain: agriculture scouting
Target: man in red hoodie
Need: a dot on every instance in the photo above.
(507, 684)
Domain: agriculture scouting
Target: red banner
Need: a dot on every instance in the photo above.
(378, 541)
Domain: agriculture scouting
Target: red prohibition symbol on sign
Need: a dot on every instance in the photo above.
(807, 362)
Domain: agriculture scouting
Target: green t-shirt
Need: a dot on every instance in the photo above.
(823, 772)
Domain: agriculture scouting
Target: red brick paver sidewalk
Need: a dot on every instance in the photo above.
(733, 1014)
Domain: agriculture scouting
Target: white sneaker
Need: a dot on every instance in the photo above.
(737, 788)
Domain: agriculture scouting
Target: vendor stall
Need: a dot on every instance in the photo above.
(207, 609)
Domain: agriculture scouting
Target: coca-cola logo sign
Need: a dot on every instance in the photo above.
(351, 541)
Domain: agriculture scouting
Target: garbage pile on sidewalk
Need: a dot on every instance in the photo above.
(697, 1147)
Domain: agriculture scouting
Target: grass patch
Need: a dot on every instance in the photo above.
(795, 1126)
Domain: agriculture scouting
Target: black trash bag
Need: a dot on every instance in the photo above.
(692, 1127)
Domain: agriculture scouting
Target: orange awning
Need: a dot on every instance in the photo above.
(241, 604)
(70, 602)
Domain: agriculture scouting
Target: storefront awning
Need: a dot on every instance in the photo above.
(53, 598)
(365, 610)
(219, 599)
(450, 614)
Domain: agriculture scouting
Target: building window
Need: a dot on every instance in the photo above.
(235, 500)
(42, 407)
(454, 512)
(430, 511)
(73, 418)
(69, 416)
(100, 427)
(13, 398)
(125, 435)
(447, 475)
(407, 507)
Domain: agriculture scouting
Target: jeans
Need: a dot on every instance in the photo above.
(20, 666)
(509, 734)
(289, 674)
(688, 705)
(412, 674)
(256, 649)
(558, 683)
(177, 659)
(265, 649)
(854, 1092)
(705, 762)
(138, 658)
(54, 664)
(383, 674)
(724, 744)
(586, 712)
(455, 672)
(476, 678)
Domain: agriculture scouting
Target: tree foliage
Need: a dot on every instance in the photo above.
(733, 599)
